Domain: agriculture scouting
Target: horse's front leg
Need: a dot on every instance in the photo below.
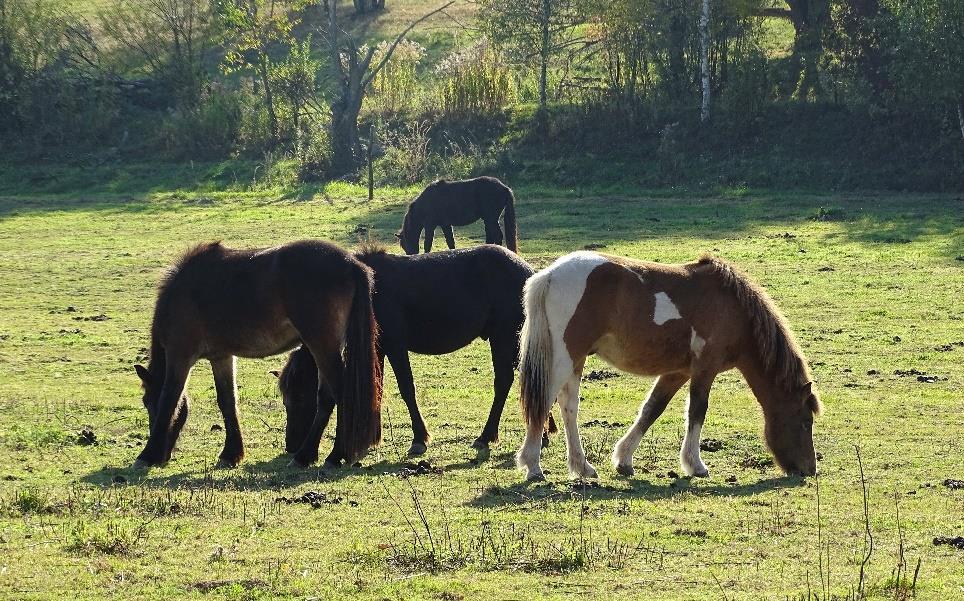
(398, 357)
(503, 357)
(449, 236)
(663, 390)
(429, 236)
(689, 453)
(227, 391)
(160, 442)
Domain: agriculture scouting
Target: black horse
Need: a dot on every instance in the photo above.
(444, 204)
(218, 303)
(429, 304)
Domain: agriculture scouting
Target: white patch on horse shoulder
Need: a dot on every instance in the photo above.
(567, 284)
(664, 310)
(696, 343)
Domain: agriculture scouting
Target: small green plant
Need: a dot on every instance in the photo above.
(111, 538)
(32, 500)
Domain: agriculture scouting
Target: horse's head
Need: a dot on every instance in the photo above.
(151, 384)
(298, 382)
(789, 431)
(410, 233)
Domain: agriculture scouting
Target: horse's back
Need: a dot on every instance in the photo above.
(641, 317)
(463, 202)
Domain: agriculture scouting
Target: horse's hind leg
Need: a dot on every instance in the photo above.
(227, 391)
(569, 404)
(659, 396)
(449, 236)
(398, 357)
(689, 453)
(504, 350)
(160, 444)
(330, 370)
(493, 231)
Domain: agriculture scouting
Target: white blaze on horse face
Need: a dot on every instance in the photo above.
(664, 310)
(696, 343)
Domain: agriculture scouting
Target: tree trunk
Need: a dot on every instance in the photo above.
(544, 54)
(808, 18)
(268, 98)
(705, 60)
(960, 115)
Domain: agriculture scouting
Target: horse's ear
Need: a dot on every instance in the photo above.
(275, 373)
(142, 373)
(813, 400)
(398, 235)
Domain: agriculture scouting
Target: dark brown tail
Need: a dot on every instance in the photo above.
(511, 233)
(360, 404)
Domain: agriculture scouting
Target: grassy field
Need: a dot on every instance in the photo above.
(871, 283)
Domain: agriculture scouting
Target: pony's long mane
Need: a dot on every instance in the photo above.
(369, 249)
(192, 254)
(777, 348)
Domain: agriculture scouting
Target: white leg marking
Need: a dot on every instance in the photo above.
(664, 310)
(696, 343)
(529, 455)
(622, 457)
(689, 453)
(569, 404)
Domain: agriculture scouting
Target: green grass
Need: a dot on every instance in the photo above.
(871, 283)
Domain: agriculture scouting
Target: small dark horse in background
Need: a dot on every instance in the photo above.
(444, 204)
(430, 304)
(216, 303)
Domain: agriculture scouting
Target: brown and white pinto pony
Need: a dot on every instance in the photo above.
(679, 322)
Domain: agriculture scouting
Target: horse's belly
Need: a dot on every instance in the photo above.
(265, 343)
(644, 358)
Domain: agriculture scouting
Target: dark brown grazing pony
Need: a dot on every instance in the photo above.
(216, 303)
(444, 204)
(678, 322)
(430, 304)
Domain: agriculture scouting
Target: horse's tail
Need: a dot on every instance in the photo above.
(511, 233)
(360, 404)
(535, 352)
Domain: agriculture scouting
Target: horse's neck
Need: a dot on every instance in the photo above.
(764, 386)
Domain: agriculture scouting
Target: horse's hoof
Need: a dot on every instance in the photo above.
(536, 477)
(625, 470)
(299, 461)
(480, 444)
(586, 472)
(140, 464)
(225, 464)
(331, 464)
(701, 473)
(546, 442)
(417, 448)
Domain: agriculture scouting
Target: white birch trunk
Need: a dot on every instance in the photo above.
(960, 115)
(705, 60)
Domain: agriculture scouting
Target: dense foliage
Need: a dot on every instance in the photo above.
(212, 79)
